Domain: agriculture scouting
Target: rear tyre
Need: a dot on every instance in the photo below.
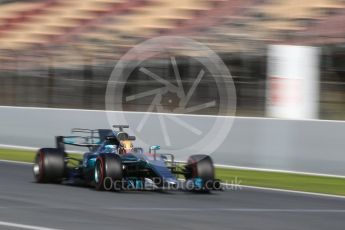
(201, 167)
(108, 172)
(49, 165)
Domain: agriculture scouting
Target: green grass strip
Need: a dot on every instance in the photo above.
(289, 181)
(24, 155)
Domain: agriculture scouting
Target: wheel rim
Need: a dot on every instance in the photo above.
(97, 172)
(36, 170)
(38, 167)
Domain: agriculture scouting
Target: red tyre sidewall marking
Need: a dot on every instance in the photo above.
(100, 184)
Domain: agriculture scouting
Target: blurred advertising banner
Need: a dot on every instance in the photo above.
(292, 82)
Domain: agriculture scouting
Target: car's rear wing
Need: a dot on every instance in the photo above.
(90, 138)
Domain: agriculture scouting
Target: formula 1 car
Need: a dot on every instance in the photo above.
(112, 162)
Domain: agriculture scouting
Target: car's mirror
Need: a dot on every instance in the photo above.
(155, 147)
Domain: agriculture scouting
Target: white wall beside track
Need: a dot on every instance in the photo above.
(313, 146)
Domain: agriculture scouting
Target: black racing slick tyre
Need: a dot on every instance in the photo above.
(108, 172)
(49, 165)
(200, 166)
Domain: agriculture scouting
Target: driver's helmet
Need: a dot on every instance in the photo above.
(109, 149)
(126, 146)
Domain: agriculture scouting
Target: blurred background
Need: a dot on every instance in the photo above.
(60, 53)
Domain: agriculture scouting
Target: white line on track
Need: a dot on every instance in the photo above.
(278, 171)
(292, 191)
(16, 147)
(232, 210)
(16, 162)
(24, 226)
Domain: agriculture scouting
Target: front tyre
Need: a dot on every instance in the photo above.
(200, 170)
(108, 172)
(49, 165)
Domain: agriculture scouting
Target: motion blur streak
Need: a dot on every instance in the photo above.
(61, 53)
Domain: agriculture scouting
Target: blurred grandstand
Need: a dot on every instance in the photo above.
(60, 53)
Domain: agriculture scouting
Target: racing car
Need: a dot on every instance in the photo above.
(112, 162)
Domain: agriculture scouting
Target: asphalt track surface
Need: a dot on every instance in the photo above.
(69, 207)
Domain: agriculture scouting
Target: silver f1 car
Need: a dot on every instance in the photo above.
(113, 162)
